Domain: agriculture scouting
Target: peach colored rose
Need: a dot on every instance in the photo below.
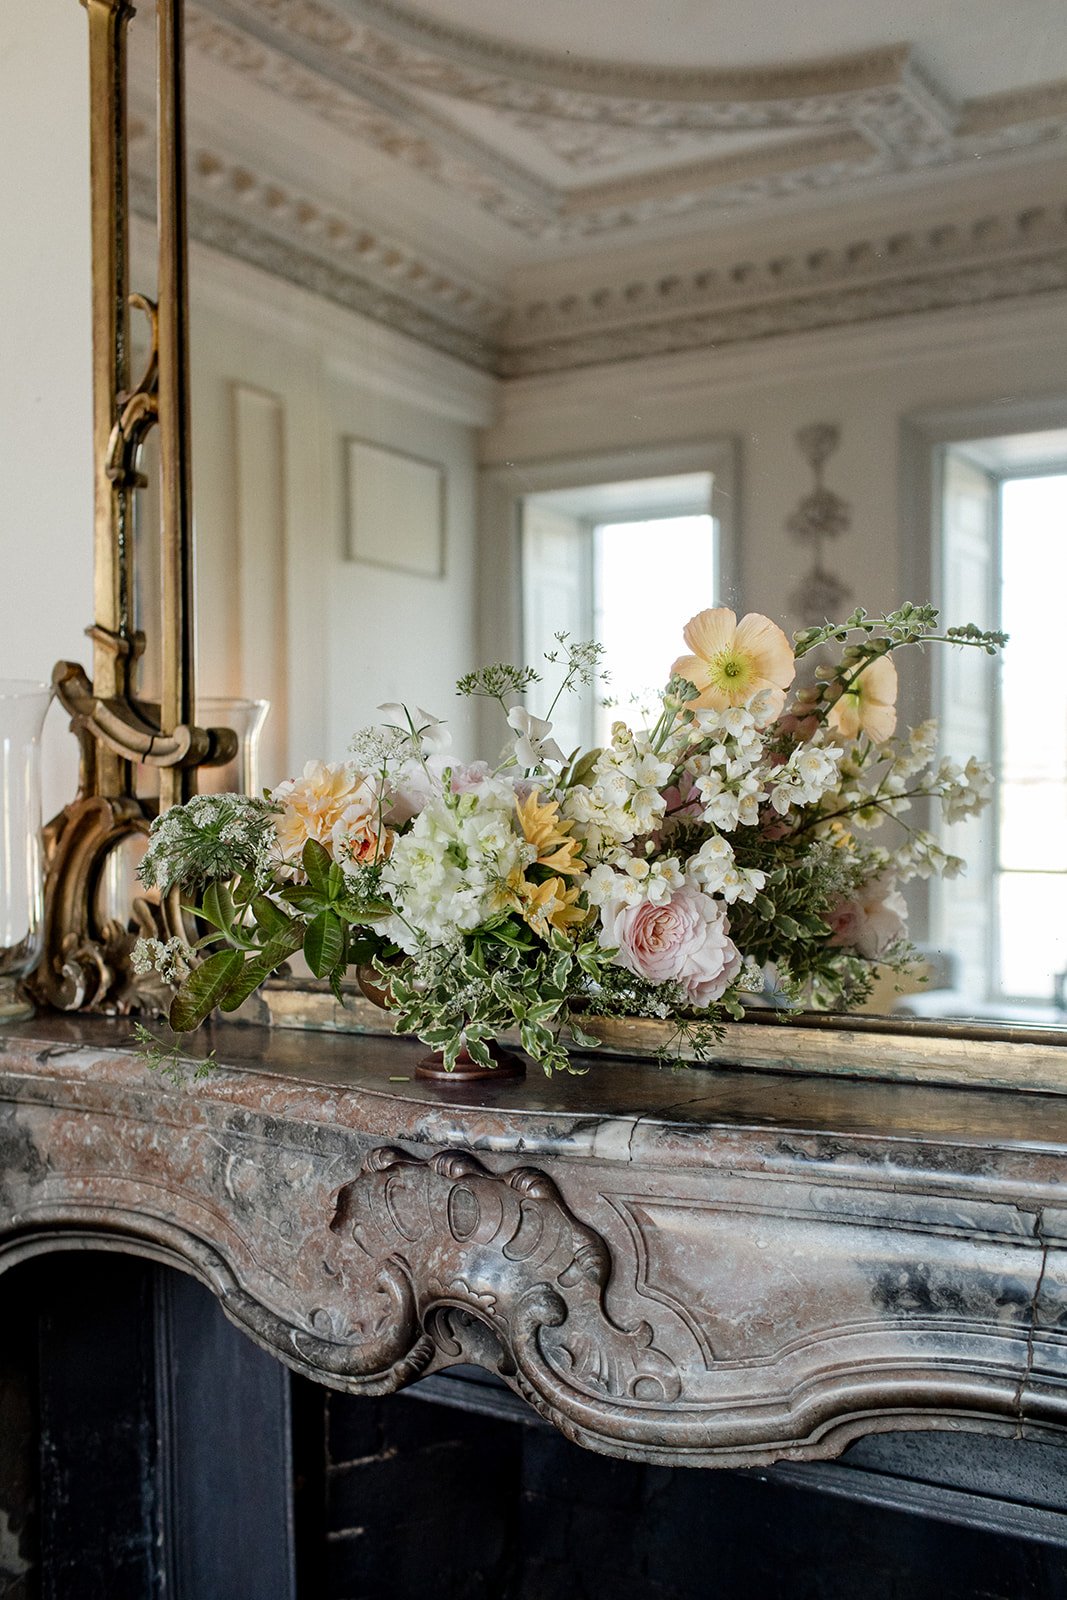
(358, 836)
(313, 804)
(686, 940)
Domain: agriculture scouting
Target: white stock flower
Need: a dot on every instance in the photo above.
(730, 806)
(965, 792)
(809, 773)
(445, 875)
(712, 862)
(634, 880)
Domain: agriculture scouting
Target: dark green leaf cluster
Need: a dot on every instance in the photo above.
(498, 980)
(787, 919)
(256, 932)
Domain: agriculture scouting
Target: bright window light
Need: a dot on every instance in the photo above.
(649, 579)
(1032, 789)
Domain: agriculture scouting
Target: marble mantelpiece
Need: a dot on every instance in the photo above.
(698, 1266)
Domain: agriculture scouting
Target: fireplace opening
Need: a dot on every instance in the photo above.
(150, 1449)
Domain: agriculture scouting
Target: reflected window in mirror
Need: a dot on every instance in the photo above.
(1003, 557)
(602, 562)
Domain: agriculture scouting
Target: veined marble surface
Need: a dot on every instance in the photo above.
(704, 1266)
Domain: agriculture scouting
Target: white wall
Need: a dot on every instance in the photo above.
(279, 381)
(46, 468)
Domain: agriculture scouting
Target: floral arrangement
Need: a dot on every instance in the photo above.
(731, 847)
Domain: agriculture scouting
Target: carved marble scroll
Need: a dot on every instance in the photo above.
(441, 1236)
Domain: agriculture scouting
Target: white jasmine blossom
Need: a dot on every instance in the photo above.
(533, 747)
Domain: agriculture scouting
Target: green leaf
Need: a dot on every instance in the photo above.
(259, 968)
(543, 1010)
(324, 942)
(244, 890)
(268, 916)
(299, 894)
(479, 1051)
(582, 1039)
(335, 881)
(583, 771)
(316, 863)
(203, 988)
(218, 907)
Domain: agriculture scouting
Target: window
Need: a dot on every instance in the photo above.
(1031, 845)
(603, 562)
(1003, 564)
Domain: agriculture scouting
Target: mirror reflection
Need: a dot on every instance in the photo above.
(508, 320)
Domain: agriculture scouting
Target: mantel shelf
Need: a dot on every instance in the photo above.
(697, 1266)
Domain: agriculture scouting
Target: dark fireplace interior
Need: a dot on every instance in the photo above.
(147, 1448)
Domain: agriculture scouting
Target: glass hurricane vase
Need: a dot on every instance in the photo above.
(22, 711)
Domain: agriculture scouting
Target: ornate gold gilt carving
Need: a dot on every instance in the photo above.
(86, 956)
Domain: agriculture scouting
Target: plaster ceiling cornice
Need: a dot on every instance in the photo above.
(456, 164)
(407, 86)
(248, 214)
(438, 55)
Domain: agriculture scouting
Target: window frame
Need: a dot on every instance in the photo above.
(926, 438)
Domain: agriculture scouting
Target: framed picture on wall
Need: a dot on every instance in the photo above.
(395, 509)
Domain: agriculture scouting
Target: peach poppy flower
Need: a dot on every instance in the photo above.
(869, 706)
(732, 661)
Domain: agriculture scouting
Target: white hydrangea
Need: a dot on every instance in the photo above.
(446, 875)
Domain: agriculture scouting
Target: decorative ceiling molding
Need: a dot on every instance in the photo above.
(251, 216)
(991, 259)
(401, 83)
(373, 113)
(556, 148)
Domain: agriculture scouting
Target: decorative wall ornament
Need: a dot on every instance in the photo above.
(819, 518)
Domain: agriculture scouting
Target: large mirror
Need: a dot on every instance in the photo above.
(509, 319)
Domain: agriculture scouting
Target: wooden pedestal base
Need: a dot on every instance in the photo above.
(506, 1064)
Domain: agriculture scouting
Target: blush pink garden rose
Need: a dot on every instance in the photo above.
(686, 940)
(870, 923)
